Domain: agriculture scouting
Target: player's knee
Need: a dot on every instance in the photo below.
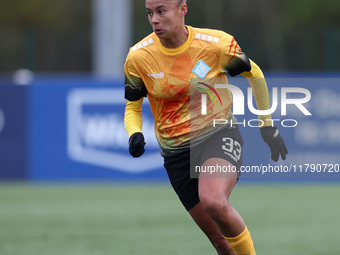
(215, 207)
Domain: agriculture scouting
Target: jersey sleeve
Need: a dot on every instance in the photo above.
(233, 61)
(260, 91)
(134, 86)
(133, 116)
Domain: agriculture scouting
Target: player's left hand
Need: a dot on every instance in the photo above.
(275, 142)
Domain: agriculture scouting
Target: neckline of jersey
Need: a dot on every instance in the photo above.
(180, 49)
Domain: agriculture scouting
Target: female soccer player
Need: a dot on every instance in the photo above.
(167, 66)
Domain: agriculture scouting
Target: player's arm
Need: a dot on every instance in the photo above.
(133, 125)
(134, 93)
(235, 62)
(133, 116)
(269, 133)
(260, 91)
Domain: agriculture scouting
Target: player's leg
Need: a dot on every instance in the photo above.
(211, 230)
(177, 167)
(214, 192)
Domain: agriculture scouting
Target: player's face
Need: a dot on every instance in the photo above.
(166, 17)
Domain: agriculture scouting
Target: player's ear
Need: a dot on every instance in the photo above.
(184, 10)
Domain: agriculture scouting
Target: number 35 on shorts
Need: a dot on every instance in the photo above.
(232, 148)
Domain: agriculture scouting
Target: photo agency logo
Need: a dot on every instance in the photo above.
(288, 97)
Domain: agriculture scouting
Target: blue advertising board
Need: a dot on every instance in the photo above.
(78, 134)
(13, 132)
(70, 129)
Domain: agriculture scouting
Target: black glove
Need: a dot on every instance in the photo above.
(275, 142)
(136, 145)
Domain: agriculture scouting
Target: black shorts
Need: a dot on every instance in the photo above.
(182, 166)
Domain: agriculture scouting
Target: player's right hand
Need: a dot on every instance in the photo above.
(136, 145)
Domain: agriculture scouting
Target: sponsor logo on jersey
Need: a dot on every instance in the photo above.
(156, 75)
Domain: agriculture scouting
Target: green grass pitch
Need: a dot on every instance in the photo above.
(148, 219)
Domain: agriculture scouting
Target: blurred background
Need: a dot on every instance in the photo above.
(62, 36)
(67, 182)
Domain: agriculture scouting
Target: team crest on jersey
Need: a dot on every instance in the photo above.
(201, 69)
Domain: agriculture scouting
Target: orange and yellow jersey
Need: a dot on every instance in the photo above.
(166, 75)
